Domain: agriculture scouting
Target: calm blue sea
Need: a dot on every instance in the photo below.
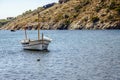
(72, 55)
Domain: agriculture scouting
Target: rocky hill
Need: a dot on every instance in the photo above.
(74, 14)
(3, 22)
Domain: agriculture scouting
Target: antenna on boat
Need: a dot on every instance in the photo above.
(38, 26)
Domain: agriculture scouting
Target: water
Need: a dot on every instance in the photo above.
(73, 55)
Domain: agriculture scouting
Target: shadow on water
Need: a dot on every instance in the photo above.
(36, 51)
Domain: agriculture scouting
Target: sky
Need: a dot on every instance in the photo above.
(13, 8)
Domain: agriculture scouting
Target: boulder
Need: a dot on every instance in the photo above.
(63, 1)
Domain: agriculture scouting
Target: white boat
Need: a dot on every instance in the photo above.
(39, 44)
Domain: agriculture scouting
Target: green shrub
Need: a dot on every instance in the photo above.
(112, 5)
(95, 19)
(66, 16)
(118, 9)
(75, 15)
(85, 2)
(27, 12)
(107, 10)
(98, 9)
(67, 22)
(82, 4)
(77, 8)
(0, 25)
(85, 19)
(60, 16)
(36, 20)
(3, 22)
(110, 17)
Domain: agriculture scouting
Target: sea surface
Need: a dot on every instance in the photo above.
(72, 55)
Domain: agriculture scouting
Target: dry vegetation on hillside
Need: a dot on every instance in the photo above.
(74, 14)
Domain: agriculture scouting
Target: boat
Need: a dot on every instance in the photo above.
(41, 43)
(12, 30)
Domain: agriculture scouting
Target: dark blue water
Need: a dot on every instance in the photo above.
(73, 55)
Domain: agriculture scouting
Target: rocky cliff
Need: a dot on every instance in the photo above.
(74, 14)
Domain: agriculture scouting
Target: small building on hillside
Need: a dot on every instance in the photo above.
(10, 18)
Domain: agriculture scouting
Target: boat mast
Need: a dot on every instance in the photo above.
(38, 26)
(25, 34)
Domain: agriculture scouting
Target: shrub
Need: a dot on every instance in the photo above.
(75, 15)
(95, 19)
(36, 20)
(27, 12)
(118, 9)
(110, 17)
(0, 24)
(85, 19)
(66, 16)
(3, 22)
(85, 2)
(112, 5)
(107, 10)
(98, 9)
(77, 8)
(60, 16)
(67, 22)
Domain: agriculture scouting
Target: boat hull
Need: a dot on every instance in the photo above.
(35, 45)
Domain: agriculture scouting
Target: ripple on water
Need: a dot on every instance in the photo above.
(72, 55)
